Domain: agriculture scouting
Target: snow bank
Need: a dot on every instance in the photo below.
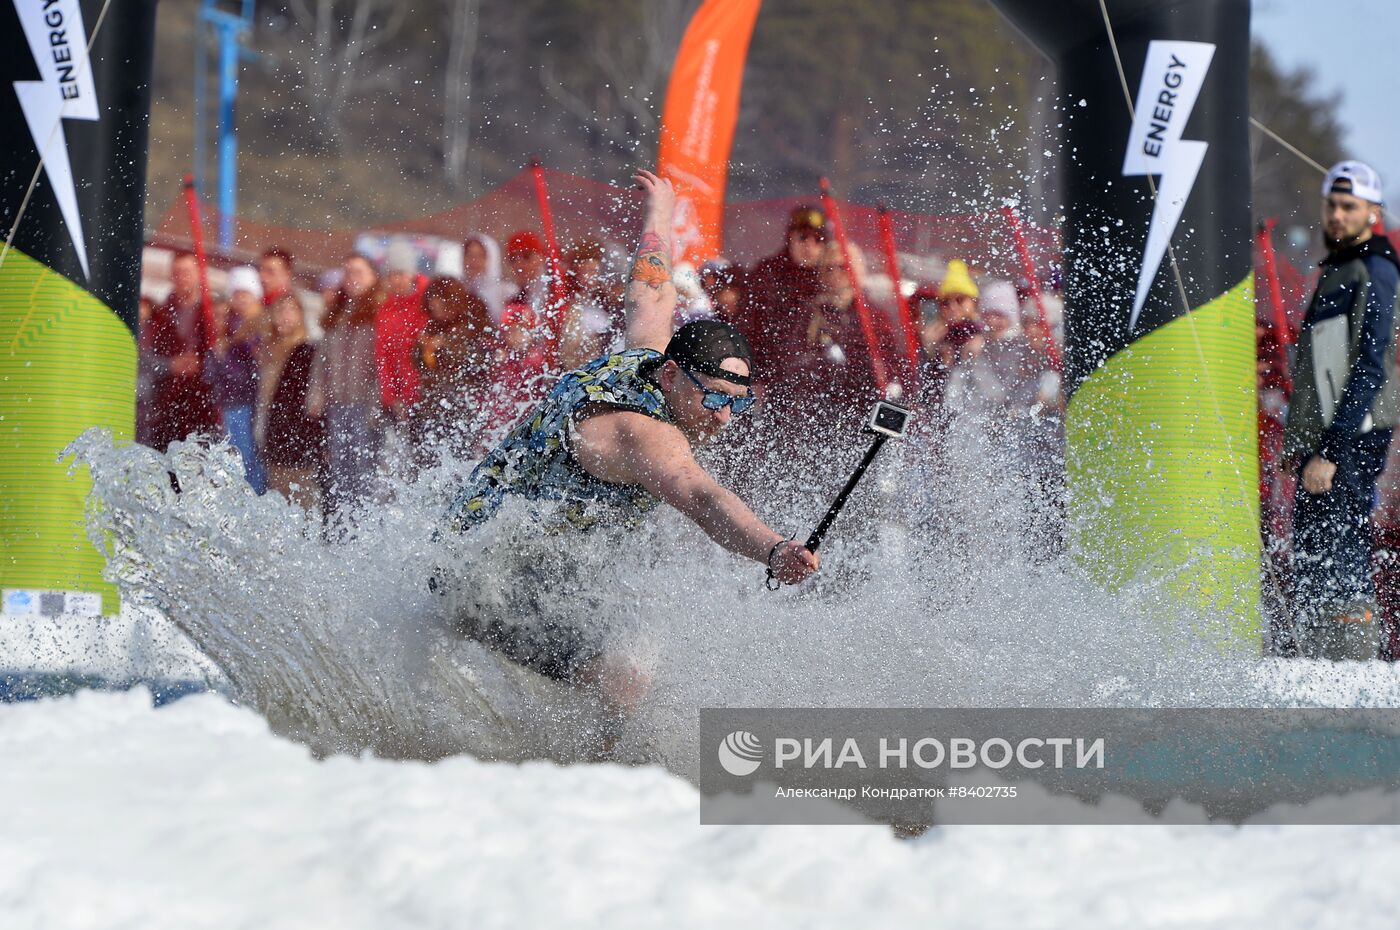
(120, 815)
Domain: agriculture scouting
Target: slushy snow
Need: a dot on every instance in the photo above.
(339, 776)
(195, 815)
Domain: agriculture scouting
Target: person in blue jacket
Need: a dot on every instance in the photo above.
(1345, 404)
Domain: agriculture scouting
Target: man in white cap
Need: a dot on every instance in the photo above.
(1346, 401)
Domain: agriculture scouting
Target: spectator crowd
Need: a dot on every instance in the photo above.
(385, 369)
(388, 369)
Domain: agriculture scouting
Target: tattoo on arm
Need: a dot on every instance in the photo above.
(652, 266)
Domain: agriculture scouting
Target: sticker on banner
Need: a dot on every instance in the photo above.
(20, 602)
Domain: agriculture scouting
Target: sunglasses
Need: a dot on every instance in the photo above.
(718, 400)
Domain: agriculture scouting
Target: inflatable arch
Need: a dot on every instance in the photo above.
(1161, 434)
(1159, 328)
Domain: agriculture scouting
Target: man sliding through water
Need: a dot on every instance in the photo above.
(615, 436)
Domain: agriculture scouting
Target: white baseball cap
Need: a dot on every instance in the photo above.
(1359, 179)
(245, 279)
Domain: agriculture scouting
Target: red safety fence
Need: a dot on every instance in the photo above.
(753, 229)
(584, 208)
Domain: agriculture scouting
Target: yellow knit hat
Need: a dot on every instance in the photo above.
(957, 281)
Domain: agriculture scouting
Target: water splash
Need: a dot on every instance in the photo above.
(337, 642)
(930, 597)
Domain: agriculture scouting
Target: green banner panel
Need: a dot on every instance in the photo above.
(1163, 462)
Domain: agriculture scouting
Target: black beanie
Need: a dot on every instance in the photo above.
(701, 345)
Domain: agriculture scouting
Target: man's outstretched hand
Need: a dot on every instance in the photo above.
(661, 193)
(794, 563)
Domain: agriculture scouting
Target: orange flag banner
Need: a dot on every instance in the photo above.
(697, 125)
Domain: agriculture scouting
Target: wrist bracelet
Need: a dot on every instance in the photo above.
(771, 582)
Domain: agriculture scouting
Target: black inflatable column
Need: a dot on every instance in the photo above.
(1161, 428)
(69, 276)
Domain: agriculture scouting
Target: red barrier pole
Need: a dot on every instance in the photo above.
(1282, 328)
(1283, 332)
(558, 298)
(877, 364)
(206, 304)
(906, 317)
(1052, 350)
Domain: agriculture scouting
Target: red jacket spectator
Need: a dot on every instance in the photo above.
(521, 368)
(781, 290)
(457, 359)
(834, 374)
(290, 440)
(397, 328)
(182, 403)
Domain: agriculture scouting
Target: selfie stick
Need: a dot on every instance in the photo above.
(815, 539)
(886, 420)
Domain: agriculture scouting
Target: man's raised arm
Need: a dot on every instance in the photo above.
(651, 295)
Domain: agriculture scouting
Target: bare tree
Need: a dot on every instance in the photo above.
(332, 43)
(1291, 105)
(457, 89)
(634, 64)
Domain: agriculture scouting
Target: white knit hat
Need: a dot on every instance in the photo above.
(401, 257)
(245, 279)
(999, 296)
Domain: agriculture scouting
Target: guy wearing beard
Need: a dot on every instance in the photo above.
(1346, 401)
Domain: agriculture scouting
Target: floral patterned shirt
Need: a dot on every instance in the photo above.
(534, 460)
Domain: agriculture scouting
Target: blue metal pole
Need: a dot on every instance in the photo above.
(228, 139)
(201, 69)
